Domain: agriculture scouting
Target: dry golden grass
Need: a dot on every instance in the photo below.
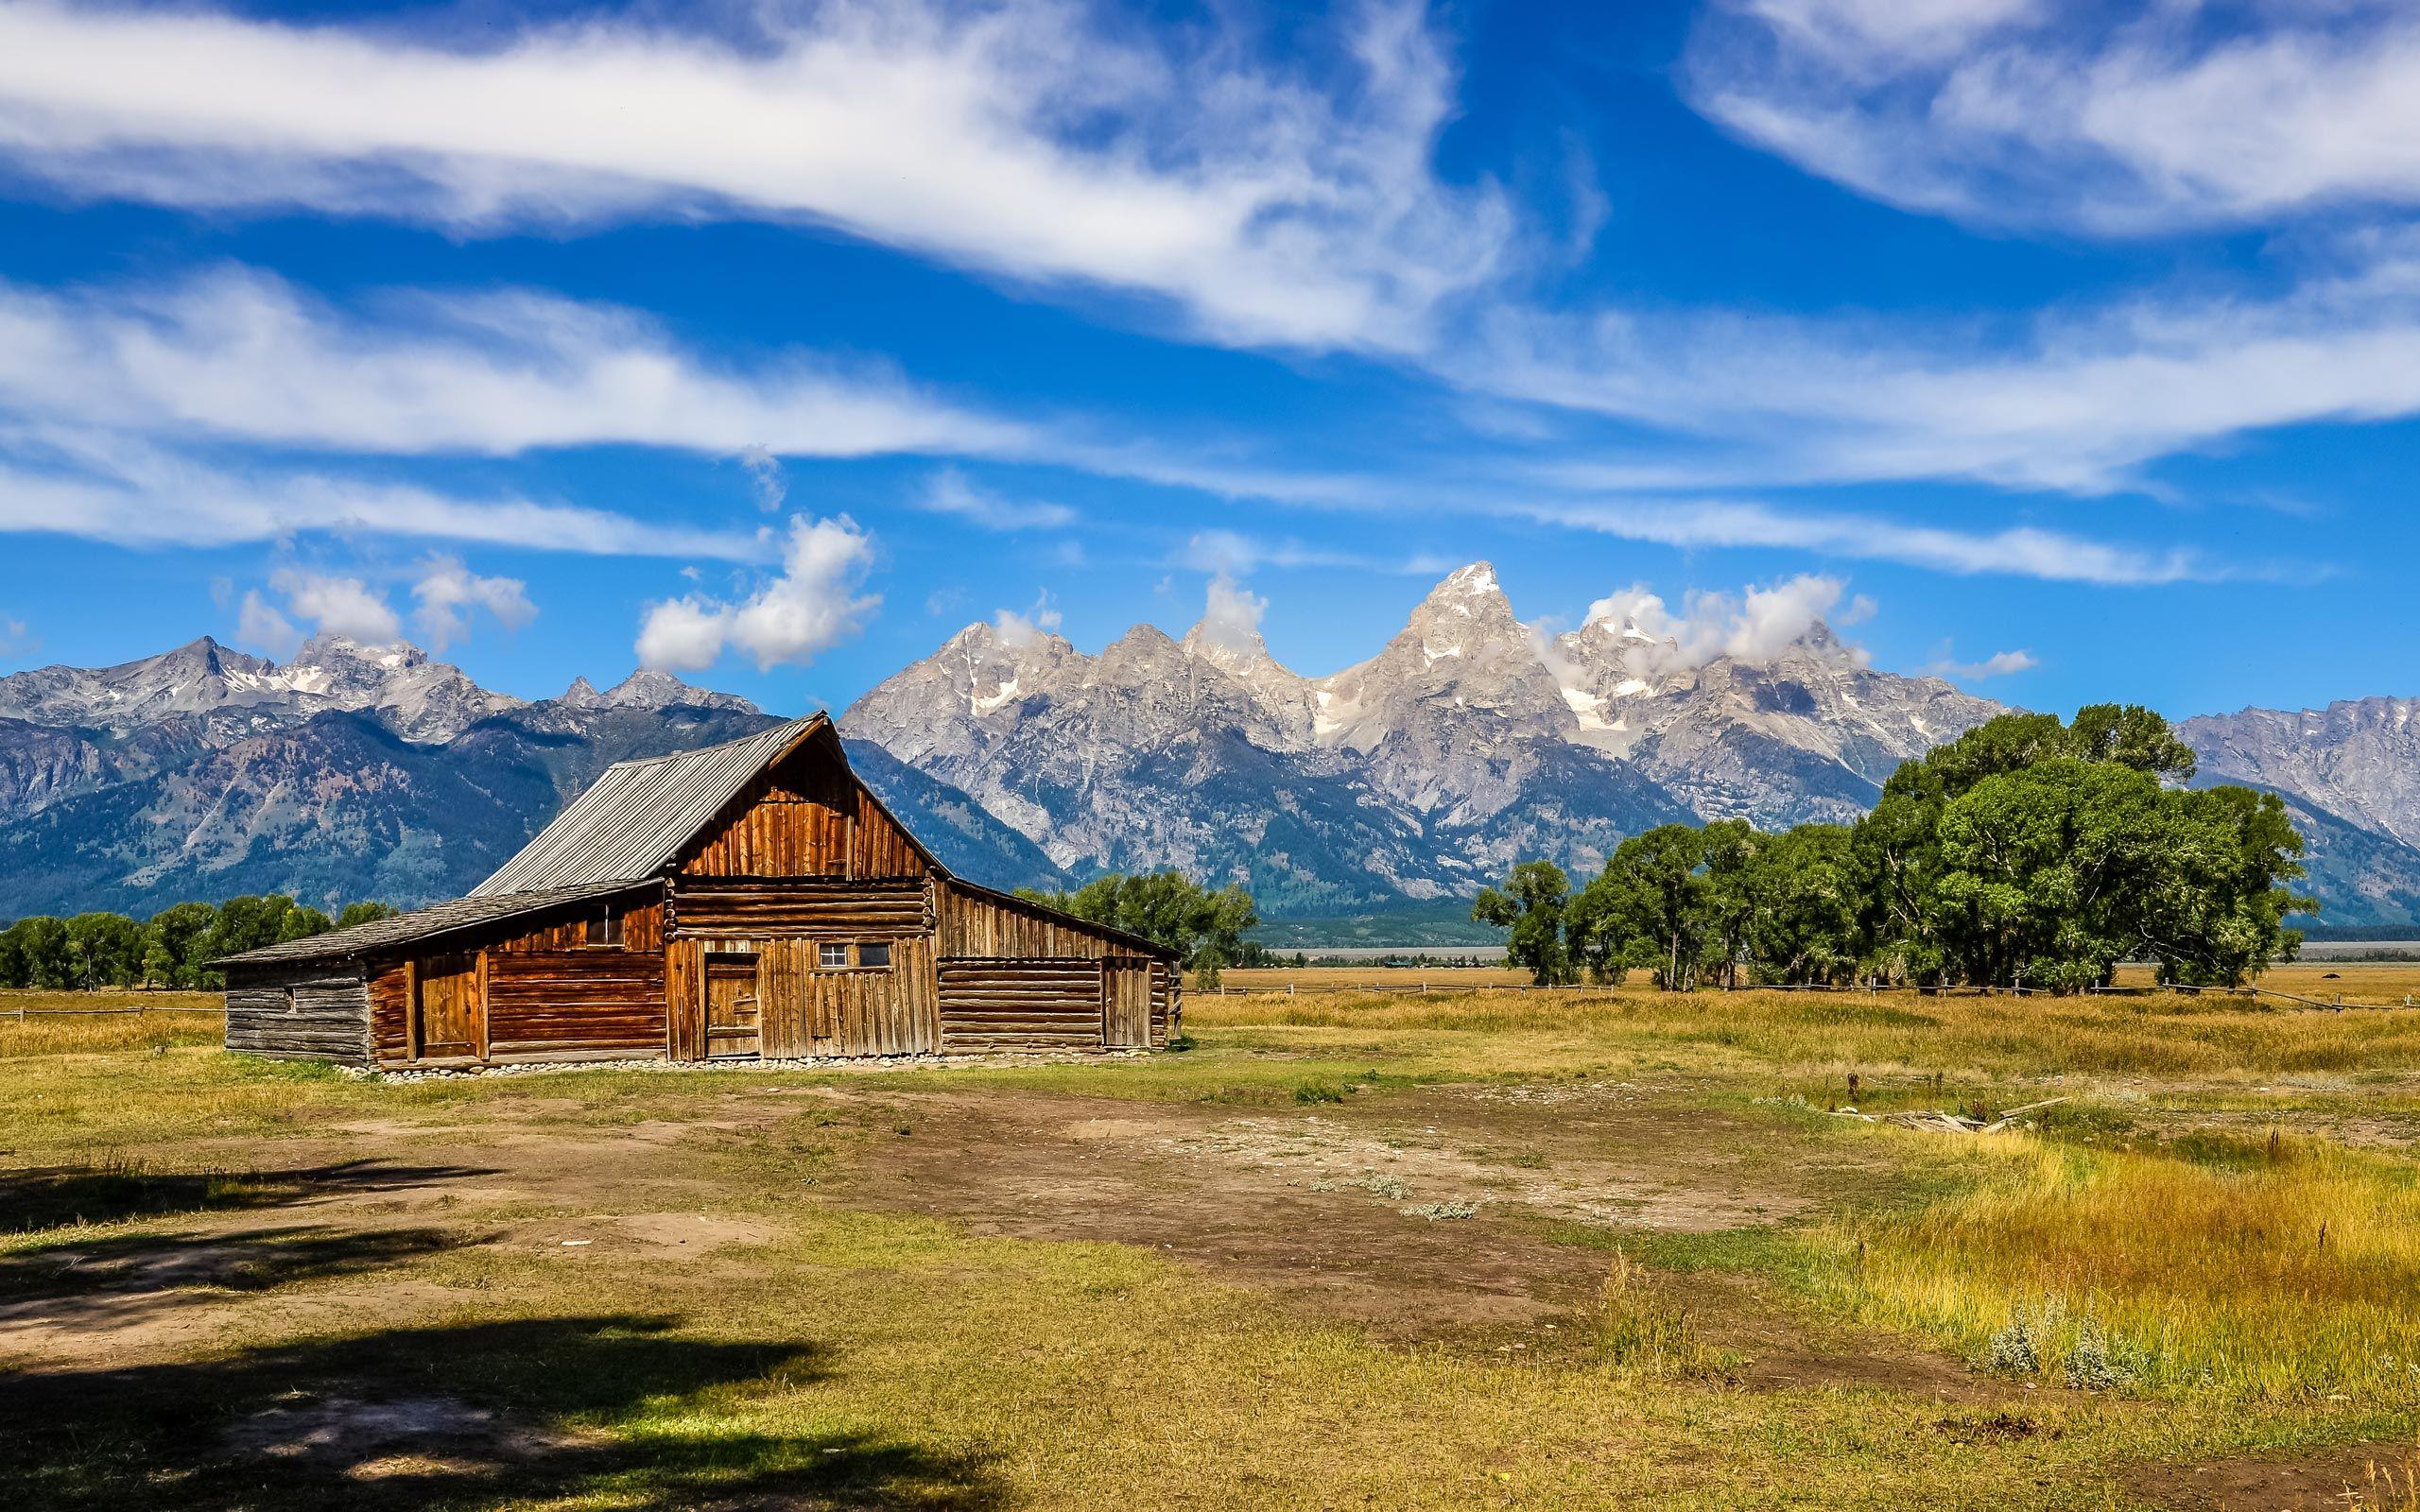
(35, 1023)
(1326, 978)
(1795, 1036)
(2273, 1269)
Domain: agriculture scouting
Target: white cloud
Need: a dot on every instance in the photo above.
(2074, 398)
(344, 607)
(684, 634)
(764, 474)
(137, 495)
(100, 392)
(1999, 665)
(949, 492)
(259, 623)
(1029, 627)
(1754, 626)
(809, 606)
(239, 355)
(2022, 551)
(16, 639)
(1021, 139)
(2124, 120)
(444, 589)
(1231, 614)
(1238, 555)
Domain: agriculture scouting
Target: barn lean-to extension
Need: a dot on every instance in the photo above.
(750, 900)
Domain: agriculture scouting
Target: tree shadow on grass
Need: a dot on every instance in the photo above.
(46, 1197)
(109, 1282)
(471, 1415)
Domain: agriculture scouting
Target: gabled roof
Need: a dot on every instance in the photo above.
(638, 815)
(382, 935)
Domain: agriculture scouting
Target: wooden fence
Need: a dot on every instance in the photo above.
(2256, 995)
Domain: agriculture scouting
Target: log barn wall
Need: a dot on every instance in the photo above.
(317, 1010)
(978, 922)
(1020, 1003)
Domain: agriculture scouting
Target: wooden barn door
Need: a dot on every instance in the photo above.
(449, 1009)
(1126, 1003)
(735, 1020)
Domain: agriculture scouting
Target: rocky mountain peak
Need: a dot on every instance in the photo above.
(645, 689)
(582, 694)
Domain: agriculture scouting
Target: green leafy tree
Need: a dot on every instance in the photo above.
(1169, 908)
(40, 952)
(103, 950)
(171, 942)
(1806, 927)
(365, 913)
(249, 922)
(1531, 906)
(1651, 907)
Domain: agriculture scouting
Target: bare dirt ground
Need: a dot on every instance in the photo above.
(2349, 1476)
(1419, 1214)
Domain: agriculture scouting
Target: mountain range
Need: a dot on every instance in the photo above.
(1395, 787)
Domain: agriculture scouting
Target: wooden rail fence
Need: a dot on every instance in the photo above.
(1423, 989)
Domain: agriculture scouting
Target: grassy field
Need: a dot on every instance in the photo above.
(1478, 1250)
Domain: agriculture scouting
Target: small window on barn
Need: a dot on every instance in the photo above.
(875, 953)
(832, 957)
(605, 928)
(290, 1001)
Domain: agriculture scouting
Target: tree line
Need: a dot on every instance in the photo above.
(2028, 852)
(171, 949)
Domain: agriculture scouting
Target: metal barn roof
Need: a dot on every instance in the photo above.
(634, 818)
(381, 935)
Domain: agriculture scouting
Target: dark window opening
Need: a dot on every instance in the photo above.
(605, 928)
(875, 953)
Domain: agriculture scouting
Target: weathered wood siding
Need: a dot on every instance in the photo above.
(319, 1011)
(685, 997)
(590, 1002)
(806, 816)
(547, 994)
(1020, 1003)
(390, 1013)
(1166, 1002)
(974, 924)
(763, 907)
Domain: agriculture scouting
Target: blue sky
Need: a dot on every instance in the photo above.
(2072, 350)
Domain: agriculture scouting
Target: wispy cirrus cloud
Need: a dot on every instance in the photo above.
(1999, 665)
(950, 492)
(234, 353)
(2076, 399)
(1267, 203)
(2106, 119)
(114, 489)
(2023, 551)
(1032, 140)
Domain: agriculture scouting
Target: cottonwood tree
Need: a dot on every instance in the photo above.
(2029, 852)
(1169, 908)
(1531, 904)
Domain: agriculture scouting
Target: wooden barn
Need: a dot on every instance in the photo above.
(750, 900)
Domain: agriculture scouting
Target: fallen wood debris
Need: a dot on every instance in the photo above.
(1941, 1120)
